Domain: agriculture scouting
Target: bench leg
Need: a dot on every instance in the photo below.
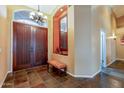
(65, 70)
(59, 70)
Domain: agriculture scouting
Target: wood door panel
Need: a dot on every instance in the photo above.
(23, 40)
(29, 45)
(40, 46)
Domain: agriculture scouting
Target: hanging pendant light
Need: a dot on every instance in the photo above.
(38, 16)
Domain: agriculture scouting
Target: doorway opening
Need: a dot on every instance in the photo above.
(102, 50)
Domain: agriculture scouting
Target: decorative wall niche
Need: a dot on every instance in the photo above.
(60, 31)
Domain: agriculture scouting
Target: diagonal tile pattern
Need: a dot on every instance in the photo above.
(38, 77)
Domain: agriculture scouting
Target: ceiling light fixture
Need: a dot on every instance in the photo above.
(38, 16)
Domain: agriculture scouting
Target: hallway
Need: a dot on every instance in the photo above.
(38, 77)
(116, 69)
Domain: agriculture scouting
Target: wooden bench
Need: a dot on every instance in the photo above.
(56, 64)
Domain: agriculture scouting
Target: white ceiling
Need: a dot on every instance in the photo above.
(44, 8)
(118, 10)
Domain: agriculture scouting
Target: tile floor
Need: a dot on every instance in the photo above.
(38, 77)
(118, 65)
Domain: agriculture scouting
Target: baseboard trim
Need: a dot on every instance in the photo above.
(111, 62)
(9, 71)
(84, 76)
(115, 60)
(120, 59)
(4, 79)
(96, 73)
(70, 74)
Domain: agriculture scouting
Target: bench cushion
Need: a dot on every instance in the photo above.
(57, 64)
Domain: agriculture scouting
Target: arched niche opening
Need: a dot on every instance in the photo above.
(60, 31)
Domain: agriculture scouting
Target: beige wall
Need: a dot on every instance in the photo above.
(95, 39)
(119, 47)
(3, 44)
(119, 34)
(113, 41)
(82, 34)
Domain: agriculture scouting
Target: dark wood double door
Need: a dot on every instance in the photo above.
(29, 46)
